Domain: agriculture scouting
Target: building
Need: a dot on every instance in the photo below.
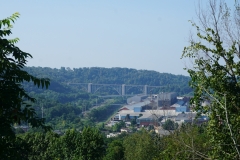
(149, 118)
(167, 99)
(181, 106)
(24, 128)
(136, 99)
(124, 130)
(131, 111)
(128, 115)
(162, 132)
(136, 107)
(182, 109)
(112, 123)
(185, 117)
(112, 135)
(168, 111)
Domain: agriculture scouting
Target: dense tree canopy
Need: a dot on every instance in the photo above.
(141, 146)
(72, 145)
(170, 125)
(97, 75)
(115, 150)
(15, 102)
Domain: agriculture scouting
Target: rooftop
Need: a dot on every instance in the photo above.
(136, 105)
(185, 116)
(168, 108)
(149, 115)
(130, 113)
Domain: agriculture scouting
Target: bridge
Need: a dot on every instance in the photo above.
(121, 89)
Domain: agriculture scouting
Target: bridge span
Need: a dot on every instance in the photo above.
(120, 88)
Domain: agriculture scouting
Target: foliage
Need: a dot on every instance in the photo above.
(133, 122)
(115, 151)
(38, 144)
(15, 148)
(92, 144)
(61, 77)
(64, 110)
(215, 77)
(69, 144)
(19, 130)
(140, 146)
(170, 125)
(103, 112)
(72, 145)
(15, 102)
(117, 127)
(189, 142)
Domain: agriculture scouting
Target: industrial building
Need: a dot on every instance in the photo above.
(136, 99)
(166, 99)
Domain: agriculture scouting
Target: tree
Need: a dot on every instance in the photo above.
(140, 146)
(215, 75)
(14, 101)
(127, 118)
(133, 122)
(38, 145)
(170, 125)
(69, 143)
(117, 127)
(188, 142)
(91, 145)
(115, 150)
(87, 145)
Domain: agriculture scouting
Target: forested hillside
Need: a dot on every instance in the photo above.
(60, 77)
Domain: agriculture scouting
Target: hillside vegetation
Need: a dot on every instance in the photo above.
(64, 106)
(60, 77)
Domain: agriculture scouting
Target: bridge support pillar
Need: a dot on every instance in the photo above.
(145, 89)
(123, 89)
(89, 87)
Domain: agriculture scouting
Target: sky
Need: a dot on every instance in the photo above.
(137, 34)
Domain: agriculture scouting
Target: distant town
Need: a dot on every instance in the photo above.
(153, 111)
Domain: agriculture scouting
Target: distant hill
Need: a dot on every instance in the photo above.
(60, 78)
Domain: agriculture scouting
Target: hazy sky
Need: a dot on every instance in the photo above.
(140, 34)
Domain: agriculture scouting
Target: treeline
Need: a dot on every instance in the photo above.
(60, 78)
(188, 142)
